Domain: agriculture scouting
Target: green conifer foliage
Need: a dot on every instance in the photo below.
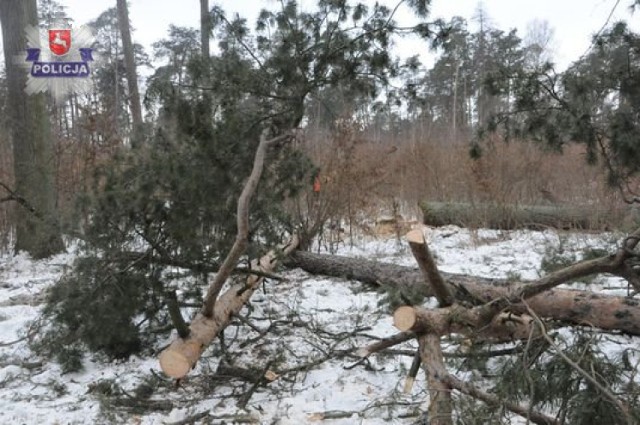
(595, 102)
(172, 202)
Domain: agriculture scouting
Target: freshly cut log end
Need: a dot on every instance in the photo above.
(177, 360)
(415, 236)
(404, 318)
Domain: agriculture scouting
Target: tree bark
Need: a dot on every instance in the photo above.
(132, 75)
(205, 29)
(428, 267)
(507, 217)
(37, 231)
(461, 320)
(609, 313)
(440, 408)
(181, 356)
(216, 312)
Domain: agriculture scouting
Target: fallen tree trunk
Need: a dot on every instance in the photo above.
(499, 216)
(403, 278)
(610, 313)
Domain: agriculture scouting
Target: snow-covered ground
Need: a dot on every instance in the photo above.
(309, 317)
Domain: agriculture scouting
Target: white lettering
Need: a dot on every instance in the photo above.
(62, 69)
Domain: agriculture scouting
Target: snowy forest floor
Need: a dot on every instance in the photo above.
(306, 329)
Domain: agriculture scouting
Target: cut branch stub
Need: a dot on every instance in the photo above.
(428, 267)
(413, 372)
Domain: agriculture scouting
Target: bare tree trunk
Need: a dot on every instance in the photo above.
(205, 32)
(205, 28)
(132, 75)
(37, 230)
(454, 135)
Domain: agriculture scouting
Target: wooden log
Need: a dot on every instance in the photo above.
(181, 356)
(607, 312)
(496, 216)
(462, 320)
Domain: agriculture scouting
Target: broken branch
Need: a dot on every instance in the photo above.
(385, 343)
(242, 214)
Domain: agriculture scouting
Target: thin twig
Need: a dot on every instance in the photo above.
(247, 396)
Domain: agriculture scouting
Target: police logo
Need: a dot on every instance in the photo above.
(64, 67)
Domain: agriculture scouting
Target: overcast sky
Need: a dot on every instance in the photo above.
(574, 21)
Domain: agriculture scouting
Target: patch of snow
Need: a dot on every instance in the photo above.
(43, 395)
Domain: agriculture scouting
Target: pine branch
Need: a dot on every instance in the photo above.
(241, 242)
(624, 409)
(492, 400)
